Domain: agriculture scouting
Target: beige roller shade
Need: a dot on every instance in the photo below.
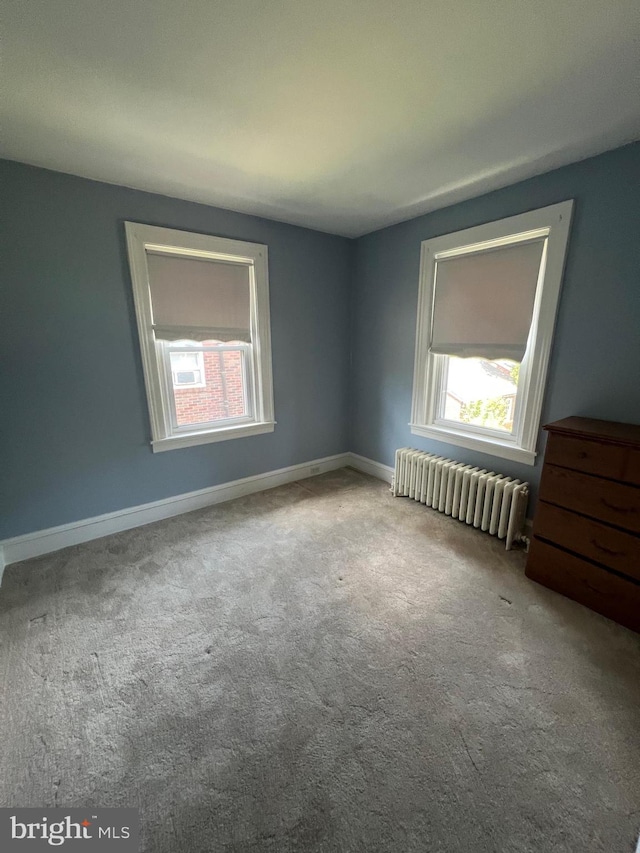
(484, 302)
(199, 300)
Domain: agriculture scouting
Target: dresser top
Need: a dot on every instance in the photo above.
(596, 430)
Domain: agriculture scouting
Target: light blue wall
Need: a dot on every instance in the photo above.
(74, 426)
(595, 364)
(74, 422)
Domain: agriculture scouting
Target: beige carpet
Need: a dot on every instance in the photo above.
(321, 667)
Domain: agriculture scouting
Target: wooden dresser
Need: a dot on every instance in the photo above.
(586, 531)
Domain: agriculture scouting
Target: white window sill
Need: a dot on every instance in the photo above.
(491, 446)
(174, 442)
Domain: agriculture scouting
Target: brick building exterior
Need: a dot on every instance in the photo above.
(222, 395)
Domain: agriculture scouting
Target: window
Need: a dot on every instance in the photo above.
(210, 383)
(187, 368)
(486, 311)
(202, 306)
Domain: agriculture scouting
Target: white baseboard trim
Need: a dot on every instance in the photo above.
(54, 538)
(369, 466)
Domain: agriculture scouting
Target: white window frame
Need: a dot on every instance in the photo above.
(164, 434)
(550, 224)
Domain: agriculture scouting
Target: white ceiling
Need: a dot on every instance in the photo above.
(341, 115)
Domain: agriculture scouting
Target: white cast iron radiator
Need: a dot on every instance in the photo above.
(487, 500)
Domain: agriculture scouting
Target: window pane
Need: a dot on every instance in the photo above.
(481, 392)
(184, 377)
(185, 360)
(187, 368)
(220, 392)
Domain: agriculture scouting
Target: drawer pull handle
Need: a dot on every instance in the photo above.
(617, 508)
(605, 550)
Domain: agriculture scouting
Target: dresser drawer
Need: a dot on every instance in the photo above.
(602, 591)
(591, 457)
(606, 545)
(612, 503)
